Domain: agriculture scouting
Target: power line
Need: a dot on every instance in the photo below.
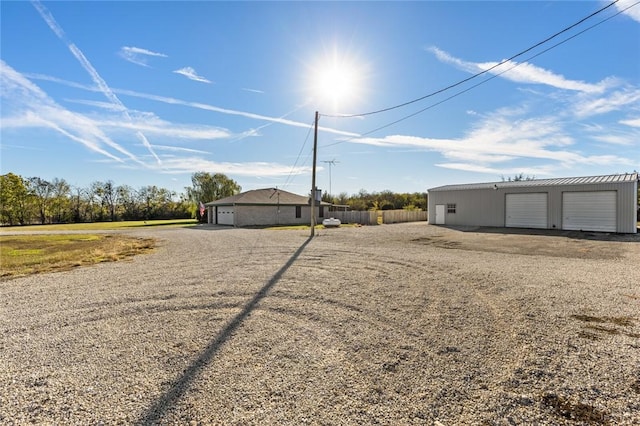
(480, 73)
(486, 80)
(299, 154)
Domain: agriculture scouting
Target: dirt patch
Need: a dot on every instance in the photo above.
(565, 244)
(574, 410)
(594, 328)
(622, 321)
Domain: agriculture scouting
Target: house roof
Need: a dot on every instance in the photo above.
(586, 180)
(266, 196)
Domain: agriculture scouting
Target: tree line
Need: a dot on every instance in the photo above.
(384, 200)
(25, 201)
(33, 200)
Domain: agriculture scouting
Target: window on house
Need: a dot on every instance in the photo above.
(451, 208)
(298, 211)
(321, 211)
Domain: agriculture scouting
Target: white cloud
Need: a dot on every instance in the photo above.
(103, 105)
(618, 139)
(179, 149)
(615, 101)
(138, 55)
(191, 74)
(253, 169)
(536, 171)
(252, 90)
(97, 79)
(633, 122)
(631, 8)
(519, 72)
(164, 129)
(611, 134)
(26, 105)
(197, 105)
(502, 138)
(49, 19)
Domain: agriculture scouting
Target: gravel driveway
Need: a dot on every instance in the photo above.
(393, 324)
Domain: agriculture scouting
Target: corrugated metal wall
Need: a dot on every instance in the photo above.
(486, 207)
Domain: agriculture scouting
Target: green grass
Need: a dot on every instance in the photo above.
(103, 225)
(22, 255)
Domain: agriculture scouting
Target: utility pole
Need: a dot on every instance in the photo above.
(313, 177)
(330, 163)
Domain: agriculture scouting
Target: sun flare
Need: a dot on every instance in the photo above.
(337, 82)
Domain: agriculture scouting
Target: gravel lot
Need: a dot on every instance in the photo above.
(393, 324)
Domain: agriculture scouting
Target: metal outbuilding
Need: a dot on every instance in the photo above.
(591, 203)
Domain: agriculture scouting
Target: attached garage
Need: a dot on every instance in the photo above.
(590, 203)
(526, 210)
(589, 210)
(225, 215)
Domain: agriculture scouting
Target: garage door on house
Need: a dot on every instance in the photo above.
(225, 215)
(527, 210)
(589, 211)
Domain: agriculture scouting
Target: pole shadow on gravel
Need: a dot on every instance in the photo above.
(156, 411)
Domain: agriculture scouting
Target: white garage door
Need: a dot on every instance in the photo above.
(526, 210)
(589, 211)
(225, 215)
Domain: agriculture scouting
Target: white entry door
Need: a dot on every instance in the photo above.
(440, 213)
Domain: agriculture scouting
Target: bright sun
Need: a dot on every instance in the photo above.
(336, 83)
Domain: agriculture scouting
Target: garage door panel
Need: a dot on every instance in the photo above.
(589, 211)
(225, 215)
(527, 210)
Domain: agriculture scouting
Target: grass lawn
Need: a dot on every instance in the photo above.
(31, 254)
(101, 225)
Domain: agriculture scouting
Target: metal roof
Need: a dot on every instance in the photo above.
(585, 180)
(267, 196)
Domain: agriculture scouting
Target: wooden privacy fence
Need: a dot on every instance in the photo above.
(361, 217)
(378, 217)
(397, 216)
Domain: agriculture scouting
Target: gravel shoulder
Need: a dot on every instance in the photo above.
(394, 324)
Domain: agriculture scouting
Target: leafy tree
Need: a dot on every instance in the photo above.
(157, 203)
(14, 200)
(342, 199)
(107, 195)
(210, 187)
(81, 205)
(60, 201)
(128, 202)
(42, 191)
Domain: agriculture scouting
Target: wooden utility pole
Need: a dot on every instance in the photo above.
(313, 178)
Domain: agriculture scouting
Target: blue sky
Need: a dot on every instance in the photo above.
(147, 93)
